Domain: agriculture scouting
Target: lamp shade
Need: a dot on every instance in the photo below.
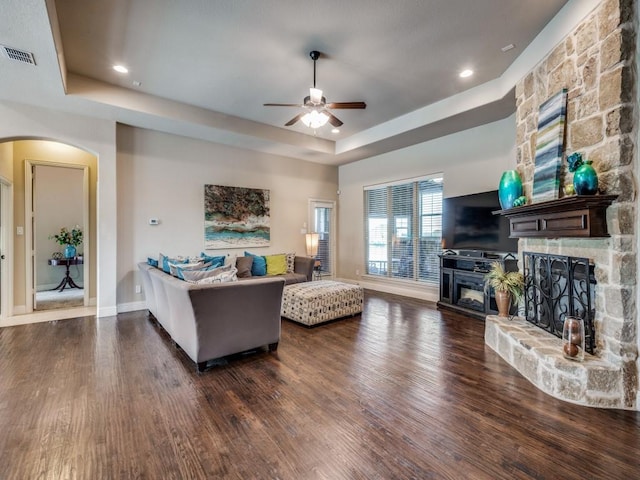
(312, 244)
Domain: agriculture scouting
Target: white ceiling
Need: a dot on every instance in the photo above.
(206, 67)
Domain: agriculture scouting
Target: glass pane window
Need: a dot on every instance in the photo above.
(322, 223)
(403, 230)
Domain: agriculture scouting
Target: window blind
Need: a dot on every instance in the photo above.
(403, 229)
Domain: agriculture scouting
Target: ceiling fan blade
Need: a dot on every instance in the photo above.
(333, 120)
(282, 105)
(294, 120)
(345, 105)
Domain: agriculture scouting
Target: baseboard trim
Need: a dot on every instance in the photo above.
(131, 306)
(428, 293)
(107, 312)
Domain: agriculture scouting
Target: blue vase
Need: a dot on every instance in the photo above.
(509, 189)
(69, 251)
(585, 179)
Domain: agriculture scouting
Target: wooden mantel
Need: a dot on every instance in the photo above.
(574, 216)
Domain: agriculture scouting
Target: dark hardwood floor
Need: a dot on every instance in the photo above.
(404, 391)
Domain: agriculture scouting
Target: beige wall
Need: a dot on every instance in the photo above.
(45, 151)
(163, 176)
(470, 161)
(6, 161)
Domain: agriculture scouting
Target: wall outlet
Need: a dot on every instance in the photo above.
(357, 272)
(138, 289)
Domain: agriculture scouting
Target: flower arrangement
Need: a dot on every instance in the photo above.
(575, 161)
(502, 281)
(66, 237)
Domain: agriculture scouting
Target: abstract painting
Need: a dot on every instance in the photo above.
(236, 217)
(549, 147)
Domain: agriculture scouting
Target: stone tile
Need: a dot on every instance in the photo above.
(526, 363)
(569, 388)
(595, 399)
(587, 132)
(603, 381)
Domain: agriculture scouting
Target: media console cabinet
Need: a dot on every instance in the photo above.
(462, 281)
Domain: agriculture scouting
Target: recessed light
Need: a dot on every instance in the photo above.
(121, 69)
(335, 130)
(466, 73)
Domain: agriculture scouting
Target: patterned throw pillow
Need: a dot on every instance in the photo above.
(174, 267)
(276, 264)
(227, 273)
(291, 262)
(197, 267)
(152, 261)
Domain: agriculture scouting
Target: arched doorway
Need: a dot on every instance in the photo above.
(32, 246)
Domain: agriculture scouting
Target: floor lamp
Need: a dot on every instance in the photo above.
(311, 240)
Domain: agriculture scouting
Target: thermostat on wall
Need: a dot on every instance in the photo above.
(154, 221)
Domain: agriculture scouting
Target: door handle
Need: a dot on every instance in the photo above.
(1, 257)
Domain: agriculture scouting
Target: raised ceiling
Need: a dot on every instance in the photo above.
(204, 68)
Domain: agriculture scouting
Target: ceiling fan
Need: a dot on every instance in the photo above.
(316, 113)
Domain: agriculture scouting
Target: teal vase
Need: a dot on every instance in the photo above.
(509, 189)
(69, 251)
(585, 179)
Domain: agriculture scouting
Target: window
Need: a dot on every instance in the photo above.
(403, 232)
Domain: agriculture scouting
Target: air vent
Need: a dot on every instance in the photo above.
(18, 55)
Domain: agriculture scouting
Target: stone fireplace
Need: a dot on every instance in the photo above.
(597, 64)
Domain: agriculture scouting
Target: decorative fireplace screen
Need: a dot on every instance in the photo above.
(557, 286)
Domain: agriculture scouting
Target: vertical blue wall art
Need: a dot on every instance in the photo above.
(549, 147)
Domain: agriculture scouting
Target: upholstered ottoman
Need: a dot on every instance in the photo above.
(311, 303)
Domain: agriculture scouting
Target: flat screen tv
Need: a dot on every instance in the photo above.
(469, 224)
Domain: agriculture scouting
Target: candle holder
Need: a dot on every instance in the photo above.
(573, 338)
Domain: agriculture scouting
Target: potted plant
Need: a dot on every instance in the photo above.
(508, 287)
(70, 239)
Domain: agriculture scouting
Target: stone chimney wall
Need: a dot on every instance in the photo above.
(597, 64)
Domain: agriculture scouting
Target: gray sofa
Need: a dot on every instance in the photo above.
(219, 319)
(214, 320)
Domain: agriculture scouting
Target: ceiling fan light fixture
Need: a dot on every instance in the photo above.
(316, 95)
(315, 119)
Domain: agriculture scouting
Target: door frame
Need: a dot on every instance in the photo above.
(6, 244)
(30, 289)
(317, 202)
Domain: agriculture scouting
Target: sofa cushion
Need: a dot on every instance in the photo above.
(163, 262)
(189, 267)
(152, 261)
(276, 264)
(216, 260)
(259, 266)
(244, 264)
(227, 273)
(175, 267)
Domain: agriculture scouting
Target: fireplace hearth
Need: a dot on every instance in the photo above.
(557, 286)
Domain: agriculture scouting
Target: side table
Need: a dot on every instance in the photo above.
(67, 280)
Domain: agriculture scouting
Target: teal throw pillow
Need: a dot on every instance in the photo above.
(217, 260)
(166, 268)
(152, 261)
(259, 266)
